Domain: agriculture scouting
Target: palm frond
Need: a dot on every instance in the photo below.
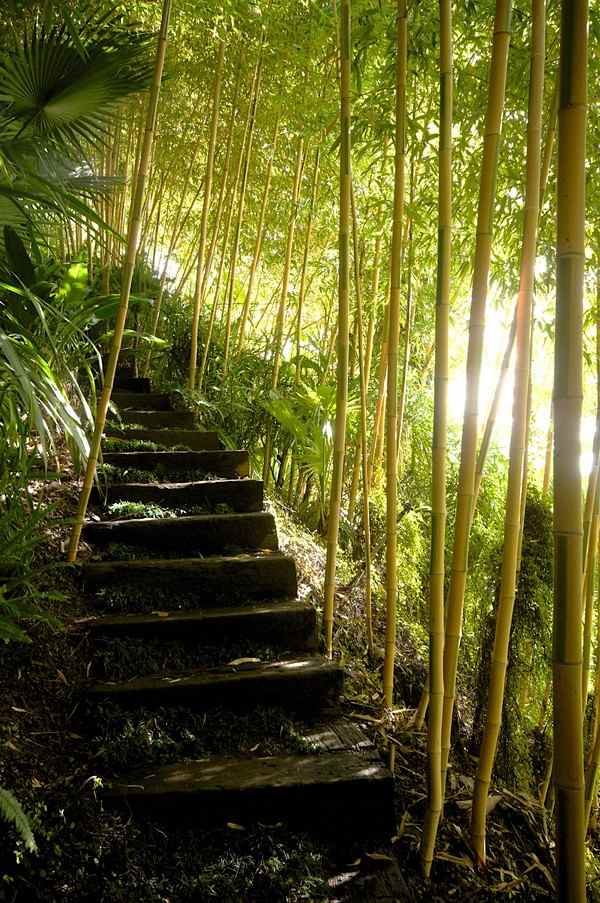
(49, 89)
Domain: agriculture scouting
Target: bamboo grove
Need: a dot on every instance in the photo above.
(359, 238)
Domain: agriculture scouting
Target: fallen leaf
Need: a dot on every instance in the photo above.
(161, 614)
(457, 860)
(15, 708)
(244, 661)
(380, 856)
(235, 827)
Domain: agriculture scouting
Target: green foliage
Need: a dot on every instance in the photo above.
(11, 811)
(530, 646)
(138, 509)
(22, 524)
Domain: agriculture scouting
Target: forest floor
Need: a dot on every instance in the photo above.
(54, 751)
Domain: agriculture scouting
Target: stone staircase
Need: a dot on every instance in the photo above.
(220, 579)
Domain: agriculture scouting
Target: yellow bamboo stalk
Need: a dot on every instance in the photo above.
(247, 145)
(466, 480)
(362, 450)
(515, 489)
(439, 444)
(179, 221)
(392, 364)
(304, 270)
(548, 457)
(210, 165)
(379, 418)
(132, 246)
(343, 327)
(285, 288)
(505, 365)
(591, 523)
(260, 234)
(570, 267)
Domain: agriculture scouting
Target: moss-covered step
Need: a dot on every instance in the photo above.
(149, 401)
(288, 624)
(208, 534)
(131, 384)
(239, 495)
(177, 420)
(345, 792)
(222, 462)
(197, 440)
(226, 579)
(294, 683)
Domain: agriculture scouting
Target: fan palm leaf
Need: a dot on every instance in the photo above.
(59, 88)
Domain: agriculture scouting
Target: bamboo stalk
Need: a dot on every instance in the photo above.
(208, 181)
(392, 364)
(362, 449)
(515, 493)
(379, 419)
(590, 525)
(307, 238)
(217, 290)
(570, 267)
(343, 326)
(132, 247)
(249, 133)
(410, 312)
(466, 480)
(285, 288)
(439, 446)
(260, 234)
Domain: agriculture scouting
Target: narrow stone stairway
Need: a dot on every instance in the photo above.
(212, 578)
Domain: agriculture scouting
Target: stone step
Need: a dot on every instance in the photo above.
(240, 495)
(208, 534)
(197, 440)
(290, 625)
(131, 384)
(344, 792)
(149, 401)
(294, 683)
(222, 462)
(177, 420)
(262, 575)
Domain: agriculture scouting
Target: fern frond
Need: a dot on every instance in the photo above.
(11, 810)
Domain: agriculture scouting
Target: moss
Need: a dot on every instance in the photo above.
(137, 597)
(123, 658)
(141, 737)
(125, 509)
(161, 473)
